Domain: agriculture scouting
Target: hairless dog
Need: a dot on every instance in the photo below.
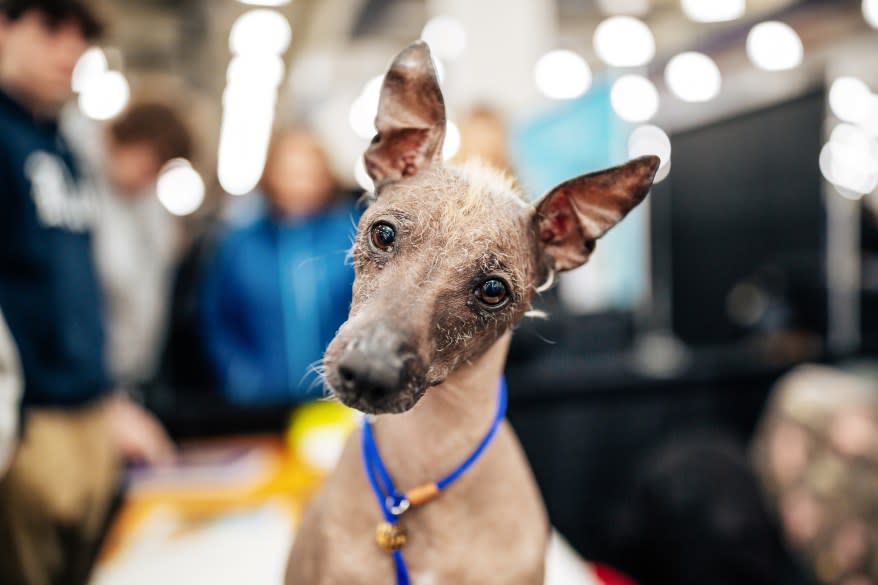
(448, 259)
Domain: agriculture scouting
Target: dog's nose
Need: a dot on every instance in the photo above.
(375, 364)
(366, 375)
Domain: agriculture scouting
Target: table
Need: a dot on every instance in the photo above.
(225, 514)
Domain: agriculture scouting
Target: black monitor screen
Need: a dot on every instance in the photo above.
(746, 224)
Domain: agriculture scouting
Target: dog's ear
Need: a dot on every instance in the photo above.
(572, 216)
(410, 120)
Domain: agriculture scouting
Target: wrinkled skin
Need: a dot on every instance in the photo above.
(454, 229)
(425, 343)
(444, 250)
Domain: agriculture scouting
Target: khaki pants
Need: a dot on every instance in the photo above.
(55, 497)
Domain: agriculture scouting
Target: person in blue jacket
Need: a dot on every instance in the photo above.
(279, 286)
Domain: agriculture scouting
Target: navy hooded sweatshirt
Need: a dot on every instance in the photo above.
(49, 291)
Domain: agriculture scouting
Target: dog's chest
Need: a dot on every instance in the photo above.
(479, 531)
(424, 578)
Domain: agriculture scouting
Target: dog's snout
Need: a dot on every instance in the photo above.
(368, 374)
(375, 367)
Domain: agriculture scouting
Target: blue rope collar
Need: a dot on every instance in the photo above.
(393, 503)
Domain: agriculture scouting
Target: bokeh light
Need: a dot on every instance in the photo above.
(440, 69)
(248, 114)
(242, 152)
(258, 39)
(452, 140)
(624, 41)
(92, 65)
(713, 10)
(105, 96)
(870, 122)
(562, 75)
(850, 160)
(693, 77)
(263, 71)
(634, 98)
(363, 110)
(446, 37)
(260, 31)
(180, 188)
(362, 175)
(649, 139)
(774, 46)
(850, 99)
(870, 12)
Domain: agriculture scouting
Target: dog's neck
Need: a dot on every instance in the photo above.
(442, 429)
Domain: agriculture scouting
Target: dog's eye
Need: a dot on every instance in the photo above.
(493, 292)
(383, 236)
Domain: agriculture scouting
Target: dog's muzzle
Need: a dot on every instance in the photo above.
(378, 371)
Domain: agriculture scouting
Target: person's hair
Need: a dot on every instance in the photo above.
(156, 125)
(58, 12)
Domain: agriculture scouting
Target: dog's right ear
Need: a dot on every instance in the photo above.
(411, 118)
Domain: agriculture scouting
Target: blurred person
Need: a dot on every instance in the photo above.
(10, 397)
(56, 494)
(136, 239)
(279, 287)
(816, 451)
(695, 515)
(484, 136)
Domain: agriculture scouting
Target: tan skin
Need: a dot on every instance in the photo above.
(298, 181)
(420, 312)
(36, 66)
(36, 61)
(133, 168)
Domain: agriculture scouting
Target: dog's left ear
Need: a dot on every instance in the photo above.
(411, 118)
(572, 216)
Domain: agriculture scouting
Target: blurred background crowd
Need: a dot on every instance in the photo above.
(180, 183)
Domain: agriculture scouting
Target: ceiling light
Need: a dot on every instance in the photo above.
(364, 109)
(651, 140)
(713, 10)
(105, 97)
(562, 74)
(260, 31)
(180, 188)
(693, 77)
(446, 37)
(634, 98)
(850, 99)
(850, 160)
(452, 141)
(774, 46)
(624, 41)
(870, 12)
(362, 175)
(91, 65)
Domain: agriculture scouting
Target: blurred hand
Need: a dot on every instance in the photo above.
(137, 434)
